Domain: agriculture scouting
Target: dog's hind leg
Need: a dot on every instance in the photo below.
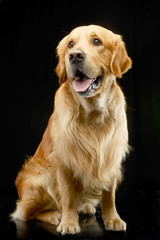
(35, 202)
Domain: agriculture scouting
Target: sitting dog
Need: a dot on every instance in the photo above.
(78, 162)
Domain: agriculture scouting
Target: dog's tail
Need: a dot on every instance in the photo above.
(25, 210)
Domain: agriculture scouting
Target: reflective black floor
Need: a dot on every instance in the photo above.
(141, 211)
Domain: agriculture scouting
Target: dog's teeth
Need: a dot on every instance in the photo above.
(91, 88)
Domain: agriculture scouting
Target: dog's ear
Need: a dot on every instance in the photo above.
(120, 61)
(60, 69)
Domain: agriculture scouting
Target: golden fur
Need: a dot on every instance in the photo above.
(78, 162)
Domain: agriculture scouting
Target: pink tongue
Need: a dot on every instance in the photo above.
(81, 85)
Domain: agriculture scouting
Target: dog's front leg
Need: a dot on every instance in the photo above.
(112, 220)
(69, 223)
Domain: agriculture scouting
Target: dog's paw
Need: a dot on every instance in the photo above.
(68, 228)
(87, 209)
(115, 224)
(56, 218)
(52, 217)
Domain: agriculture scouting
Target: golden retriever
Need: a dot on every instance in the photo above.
(78, 162)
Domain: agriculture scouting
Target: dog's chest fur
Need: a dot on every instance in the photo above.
(89, 142)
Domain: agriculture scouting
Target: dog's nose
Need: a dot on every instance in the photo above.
(77, 56)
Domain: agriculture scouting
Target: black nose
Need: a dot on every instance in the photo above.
(77, 56)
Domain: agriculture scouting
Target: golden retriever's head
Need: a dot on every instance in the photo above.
(88, 55)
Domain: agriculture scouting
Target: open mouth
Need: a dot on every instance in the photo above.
(84, 84)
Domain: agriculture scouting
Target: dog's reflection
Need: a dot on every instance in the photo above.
(89, 227)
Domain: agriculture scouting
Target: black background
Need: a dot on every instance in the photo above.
(30, 32)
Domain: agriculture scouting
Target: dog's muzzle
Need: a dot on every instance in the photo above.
(82, 84)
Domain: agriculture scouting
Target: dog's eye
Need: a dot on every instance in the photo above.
(97, 42)
(71, 44)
